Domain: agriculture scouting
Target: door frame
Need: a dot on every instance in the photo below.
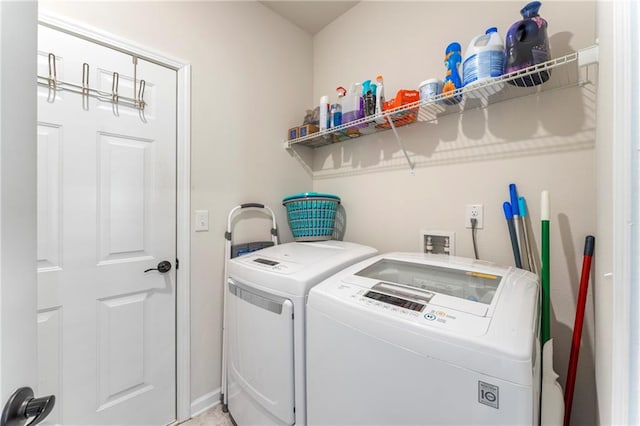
(183, 185)
(18, 253)
(624, 368)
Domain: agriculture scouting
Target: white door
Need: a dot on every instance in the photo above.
(106, 213)
(17, 198)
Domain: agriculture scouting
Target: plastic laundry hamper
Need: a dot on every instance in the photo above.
(311, 215)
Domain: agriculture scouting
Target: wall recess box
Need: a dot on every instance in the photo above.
(437, 242)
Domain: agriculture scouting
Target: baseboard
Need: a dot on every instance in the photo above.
(206, 401)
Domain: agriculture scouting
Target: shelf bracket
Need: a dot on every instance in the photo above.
(400, 144)
(589, 55)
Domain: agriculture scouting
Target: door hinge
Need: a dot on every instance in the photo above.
(177, 263)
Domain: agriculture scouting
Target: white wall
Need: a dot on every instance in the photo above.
(251, 81)
(545, 142)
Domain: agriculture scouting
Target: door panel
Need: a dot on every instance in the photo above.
(121, 347)
(106, 213)
(125, 167)
(260, 334)
(49, 197)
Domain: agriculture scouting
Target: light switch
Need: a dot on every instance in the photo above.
(202, 220)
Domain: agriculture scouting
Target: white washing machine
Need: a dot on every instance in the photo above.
(415, 339)
(266, 327)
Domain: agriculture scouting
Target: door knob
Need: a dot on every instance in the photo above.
(22, 405)
(164, 266)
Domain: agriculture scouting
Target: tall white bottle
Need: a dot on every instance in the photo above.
(324, 113)
(379, 98)
(379, 94)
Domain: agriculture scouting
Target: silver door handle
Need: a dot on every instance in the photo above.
(22, 405)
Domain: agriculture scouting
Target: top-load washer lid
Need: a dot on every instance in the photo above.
(467, 286)
(293, 268)
(424, 281)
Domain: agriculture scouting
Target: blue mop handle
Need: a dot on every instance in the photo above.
(513, 194)
(508, 214)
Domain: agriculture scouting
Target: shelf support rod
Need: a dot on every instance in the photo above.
(400, 144)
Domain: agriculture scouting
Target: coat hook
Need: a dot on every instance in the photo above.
(135, 66)
(141, 102)
(85, 79)
(114, 87)
(52, 70)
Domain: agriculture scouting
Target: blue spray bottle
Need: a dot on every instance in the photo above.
(336, 115)
(452, 80)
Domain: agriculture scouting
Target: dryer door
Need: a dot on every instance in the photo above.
(260, 345)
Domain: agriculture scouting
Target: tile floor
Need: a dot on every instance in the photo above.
(212, 417)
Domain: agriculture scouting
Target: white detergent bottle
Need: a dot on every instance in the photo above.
(352, 104)
(483, 60)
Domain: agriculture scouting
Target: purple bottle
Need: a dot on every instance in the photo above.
(526, 45)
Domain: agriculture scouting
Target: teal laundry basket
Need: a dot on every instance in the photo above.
(311, 215)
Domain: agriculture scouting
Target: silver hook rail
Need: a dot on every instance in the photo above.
(86, 91)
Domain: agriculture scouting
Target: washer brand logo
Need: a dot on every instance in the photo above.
(488, 394)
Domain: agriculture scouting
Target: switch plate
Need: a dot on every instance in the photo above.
(202, 220)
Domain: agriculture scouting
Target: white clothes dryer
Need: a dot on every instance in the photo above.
(416, 339)
(266, 327)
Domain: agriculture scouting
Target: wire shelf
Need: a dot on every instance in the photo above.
(528, 81)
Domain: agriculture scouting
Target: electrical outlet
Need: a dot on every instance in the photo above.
(474, 211)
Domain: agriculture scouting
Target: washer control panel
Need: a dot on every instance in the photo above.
(270, 264)
(396, 301)
(266, 261)
(414, 309)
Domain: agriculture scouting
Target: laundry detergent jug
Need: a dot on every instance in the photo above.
(452, 80)
(527, 44)
(483, 60)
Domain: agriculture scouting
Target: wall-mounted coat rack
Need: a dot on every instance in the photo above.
(54, 85)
